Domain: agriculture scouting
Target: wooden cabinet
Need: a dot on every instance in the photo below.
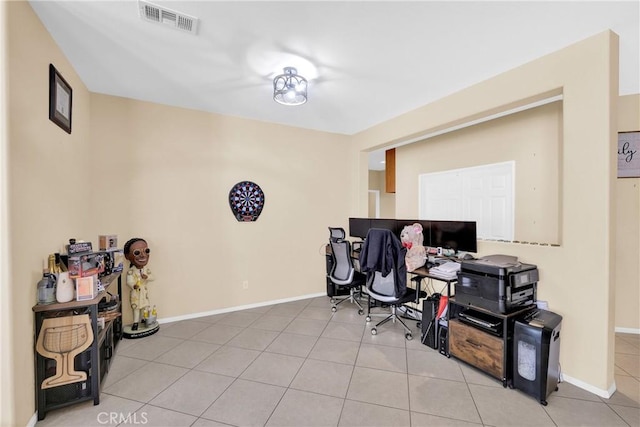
(477, 348)
(72, 354)
(489, 347)
(390, 170)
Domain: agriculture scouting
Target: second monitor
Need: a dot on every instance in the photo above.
(456, 235)
(359, 227)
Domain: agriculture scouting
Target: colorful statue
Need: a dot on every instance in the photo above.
(137, 252)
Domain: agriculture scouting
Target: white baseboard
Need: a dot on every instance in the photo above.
(237, 308)
(591, 389)
(627, 330)
(33, 420)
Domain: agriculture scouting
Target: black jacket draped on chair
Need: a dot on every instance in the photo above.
(383, 252)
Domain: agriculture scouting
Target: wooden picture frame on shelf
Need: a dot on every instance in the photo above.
(60, 100)
(86, 288)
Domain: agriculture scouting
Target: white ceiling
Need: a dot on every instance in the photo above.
(366, 61)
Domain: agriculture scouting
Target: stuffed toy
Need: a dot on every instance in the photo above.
(412, 239)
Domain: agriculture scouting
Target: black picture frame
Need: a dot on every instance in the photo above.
(60, 100)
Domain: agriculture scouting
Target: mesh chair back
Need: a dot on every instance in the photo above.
(342, 271)
(382, 286)
(336, 233)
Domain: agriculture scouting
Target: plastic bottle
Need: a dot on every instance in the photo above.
(47, 288)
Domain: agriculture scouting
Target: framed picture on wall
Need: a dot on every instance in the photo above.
(60, 99)
(629, 154)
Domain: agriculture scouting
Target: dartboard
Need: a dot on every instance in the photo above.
(246, 200)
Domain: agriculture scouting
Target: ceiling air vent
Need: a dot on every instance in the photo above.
(161, 15)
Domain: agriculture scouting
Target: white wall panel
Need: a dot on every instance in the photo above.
(481, 193)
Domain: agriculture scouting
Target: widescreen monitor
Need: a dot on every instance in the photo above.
(456, 235)
(386, 223)
(426, 228)
(359, 227)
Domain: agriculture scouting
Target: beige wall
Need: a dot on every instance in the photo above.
(49, 181)
(578, 276)
(137, 169)
(530, 138)
(169, 183)
(7, 379)
(628, 231)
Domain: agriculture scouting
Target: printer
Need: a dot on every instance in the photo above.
(498, 283)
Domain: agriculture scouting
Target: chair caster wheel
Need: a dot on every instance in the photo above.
(408, 336)
(374, 331)
(334, 309)
(543, 402)
(368, 319)
(418, 325)
(360, 312)
(332, 300)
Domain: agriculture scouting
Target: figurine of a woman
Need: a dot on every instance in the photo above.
(137, 252)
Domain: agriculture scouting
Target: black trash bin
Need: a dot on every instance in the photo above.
(536, 354)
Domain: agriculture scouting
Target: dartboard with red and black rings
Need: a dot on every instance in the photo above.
(246, 200)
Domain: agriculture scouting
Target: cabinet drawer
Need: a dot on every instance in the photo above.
(477, 348)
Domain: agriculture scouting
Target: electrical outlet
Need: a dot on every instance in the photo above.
(245, 284)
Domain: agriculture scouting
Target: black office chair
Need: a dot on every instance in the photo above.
(382, 258)
(343, 274)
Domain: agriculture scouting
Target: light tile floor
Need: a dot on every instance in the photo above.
(297, 364)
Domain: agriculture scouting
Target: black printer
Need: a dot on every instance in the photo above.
(498, 283)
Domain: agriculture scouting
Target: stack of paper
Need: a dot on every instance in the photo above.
(448, 270)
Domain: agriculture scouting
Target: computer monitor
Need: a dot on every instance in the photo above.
(456, 235)
(426, 228)
(359, 227)
(386, 223)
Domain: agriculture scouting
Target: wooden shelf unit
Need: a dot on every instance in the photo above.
(95, 360)
(491, 353)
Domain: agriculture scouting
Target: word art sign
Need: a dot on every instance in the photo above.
(628, 154)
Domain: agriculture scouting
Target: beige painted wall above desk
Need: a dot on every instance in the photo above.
(583, 171)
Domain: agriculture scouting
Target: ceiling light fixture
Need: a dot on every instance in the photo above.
(290, 88)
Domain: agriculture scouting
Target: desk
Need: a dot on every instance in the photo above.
(423, 273)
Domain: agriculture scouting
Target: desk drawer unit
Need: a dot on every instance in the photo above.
(477, 348)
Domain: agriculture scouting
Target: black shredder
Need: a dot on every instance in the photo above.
(536, 354)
